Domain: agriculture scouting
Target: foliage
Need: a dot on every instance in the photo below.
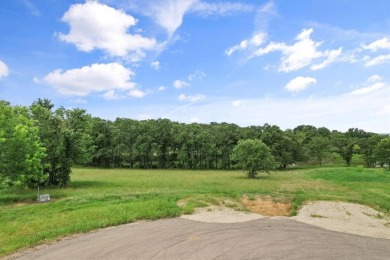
(21, 152)
(253, 156)
(382, 152)
(72, 137)
(318, 148)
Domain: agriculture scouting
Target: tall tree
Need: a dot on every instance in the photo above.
(56, 139)
(382, 152)
(253, 156)
(21, 152)
(318, 148)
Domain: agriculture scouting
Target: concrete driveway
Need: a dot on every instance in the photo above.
(178, 238)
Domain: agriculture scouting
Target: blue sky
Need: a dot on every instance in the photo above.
(323, 63)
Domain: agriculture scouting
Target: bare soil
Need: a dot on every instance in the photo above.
(336, 216)
(267, 207)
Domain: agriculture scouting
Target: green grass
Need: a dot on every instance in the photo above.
(98, 198)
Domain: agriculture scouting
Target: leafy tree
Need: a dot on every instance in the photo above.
(367, 149)
(21, 152)
(318, 148)
(382, 152)
(253, 156)
(57, 139)
(284, 146)
(344, 146)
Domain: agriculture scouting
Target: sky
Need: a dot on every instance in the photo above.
(281, 62)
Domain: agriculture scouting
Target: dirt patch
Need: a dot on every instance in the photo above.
(336, 216)
(345, 217)
(267, 207)
(221, 214)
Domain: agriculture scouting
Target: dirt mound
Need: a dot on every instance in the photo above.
(345, 217)
(267, 207)
(221, 214)
(336, 216)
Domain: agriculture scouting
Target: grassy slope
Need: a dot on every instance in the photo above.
(99, 198)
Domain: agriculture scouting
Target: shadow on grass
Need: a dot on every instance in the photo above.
(87, 184)
(260, 176)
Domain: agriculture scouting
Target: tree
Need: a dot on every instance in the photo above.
(382, 152)
(344, 146)
(253, 156)
(318, 148)
(367, 149)
(21, 152)
(57, 140)
(284, 146)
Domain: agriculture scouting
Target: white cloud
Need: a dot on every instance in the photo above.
(169, 14)
(300, 54)
(255, 41)
(137, 93)
(89, 79)
(304, 52)
(4, 71)
(381, 59)
(111, 95)
(299, 83)
(367, 90)
(263, 15)
(383, 43)
(197, 75)
(192, 99)
(331, 55)
(162, 88)
(220, 8)
(374, 78)
(97, 26)
(180, 84)
(155, 65)
(236, 103)
(31, 7)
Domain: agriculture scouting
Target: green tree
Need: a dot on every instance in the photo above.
(344, 146)
(252, 156)
(57, 140)
(382, 152)
(367, 149)
(21, 152)
(318, 148)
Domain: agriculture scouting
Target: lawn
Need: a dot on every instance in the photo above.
(98, 198)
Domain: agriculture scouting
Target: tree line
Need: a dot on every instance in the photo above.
(40, 144)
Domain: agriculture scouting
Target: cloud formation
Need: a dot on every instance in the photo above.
(98, 26)
(192, 99)
(4, 71)
(96, 78)
(299, 83)
(219, 8)
(197, 75)
(256, 40)
(381, 59)
(181, 84)
(383, 43)
(155, 65)
(304, 52)
(169, 14)
(375, 84)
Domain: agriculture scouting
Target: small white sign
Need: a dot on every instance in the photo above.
(44, 198)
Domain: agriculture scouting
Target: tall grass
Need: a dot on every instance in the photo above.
(98, 198)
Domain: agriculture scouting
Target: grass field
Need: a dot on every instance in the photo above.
(98, 198)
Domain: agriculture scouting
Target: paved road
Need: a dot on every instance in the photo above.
(186, 239)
